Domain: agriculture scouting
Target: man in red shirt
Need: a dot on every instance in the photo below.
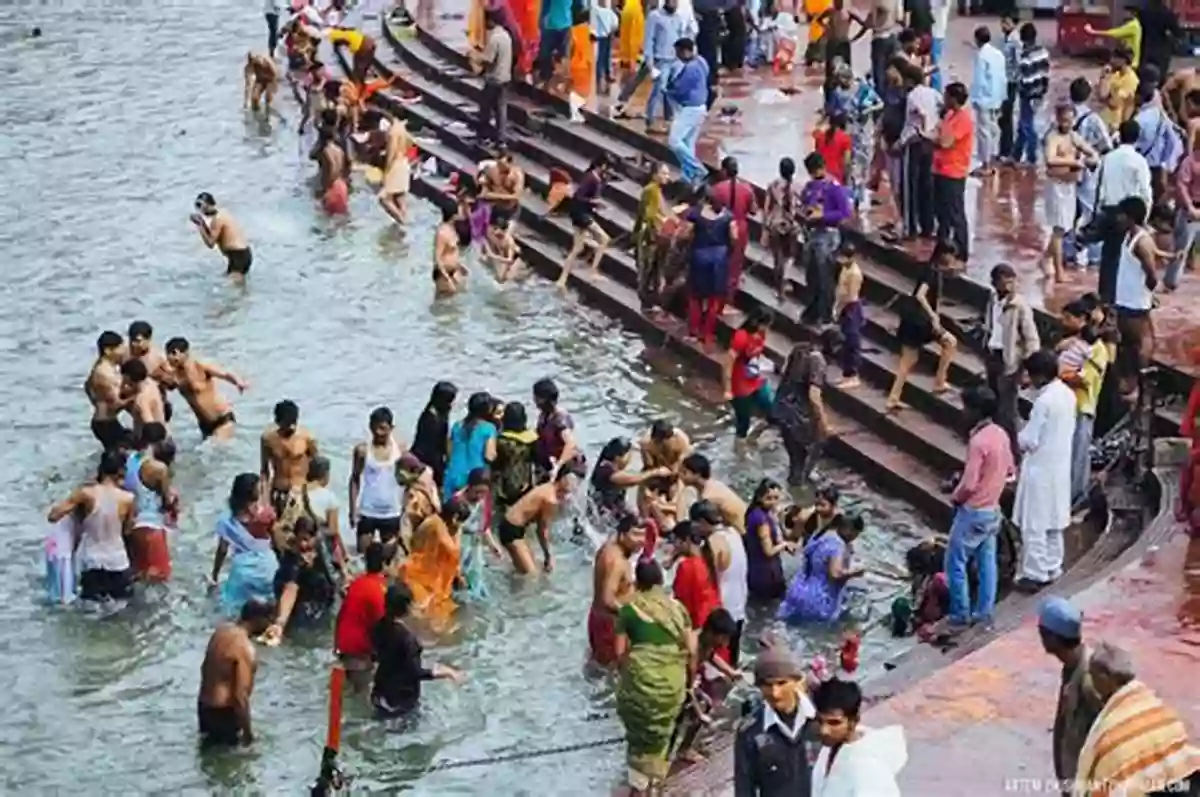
(953, 145)
(746, 386)
(362, 609)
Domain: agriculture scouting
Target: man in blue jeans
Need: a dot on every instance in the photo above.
(687, 89)
(555, 23)
(664, 27)
(977, 515)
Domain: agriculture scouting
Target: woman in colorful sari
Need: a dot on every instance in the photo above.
(245, 530)
(657, 649)
(583, 65)
(738, 198)
(815, 594)
(432, 569)
(856, 98)
(630, 34)
(652, 212)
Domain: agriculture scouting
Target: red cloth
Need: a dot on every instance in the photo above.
(362, 609)
(739, 198)
(694, 588)
(602, 636)
(1187, 427)
(745, 347)
(149, 554)
(835, 150)
(336, 200)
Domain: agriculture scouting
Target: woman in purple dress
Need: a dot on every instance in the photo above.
(765, 545)
(815, 594)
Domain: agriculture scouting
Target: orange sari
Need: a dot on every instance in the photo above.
(583, 61)
(476, 29)
(432, 568)
(527, 14)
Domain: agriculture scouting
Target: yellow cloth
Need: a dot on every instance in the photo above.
(1137, 744)
(351, 38)
(1092, 376)
(432, 568)
(814, 9)
(583, 61)
(1129, 34)
(1122, 92)
(476, 29)
(632, 32)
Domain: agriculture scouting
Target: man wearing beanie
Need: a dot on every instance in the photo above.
(770, 756)
(1060, 626)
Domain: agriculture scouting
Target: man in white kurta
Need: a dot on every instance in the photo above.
(1042, 509)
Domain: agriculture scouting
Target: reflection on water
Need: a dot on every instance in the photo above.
(111, 126)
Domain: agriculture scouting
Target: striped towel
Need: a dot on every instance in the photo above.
(1138, 744)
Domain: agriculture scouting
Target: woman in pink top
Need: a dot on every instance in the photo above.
(739, 198)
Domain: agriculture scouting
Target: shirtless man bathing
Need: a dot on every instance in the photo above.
(540, 506)
(219, 229)
(147, 399)
(261, 78)
(196, 382)
(696, 472)
(612, 584)
(227, 677)
(103, 389)
(333, 166)
(449, 273)
(286, 450)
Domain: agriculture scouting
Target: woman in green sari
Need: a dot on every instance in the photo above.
(657, 652)
(648, 248)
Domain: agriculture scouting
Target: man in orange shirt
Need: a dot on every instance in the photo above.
(362, 609)
(953, 144)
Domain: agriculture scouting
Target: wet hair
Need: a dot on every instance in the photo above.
(1129, 132)
(318, 468)
(141, 329)
(981, 400)
(853, 523)
(257, 610)
(456, 510)
(705, 511)
(628, 522)
(515, 419)
(814, 162)
(545, 390)
(479, 407)
(648, 574)
(829, 494)
(720, 623)
(572, 468)
(1081, 90)
(699, 465)
(449, 212)
(153, 432)
(287, 413)
(957, 92)
(661, 430)
(164, 452)
(134, 370)
(1042, 364)
(111, 464)
(380, 416)
(613, 449)
(375, 557)
(982, 35)
(108, 340)
(924, 561)
(838, 695)
(243, 493)
(304, 526)
(1028, 33)
(179, 345)
(760, 492)
(1134, 207)
(206, 198)
(398, 601)
(791, 514)
(479, 477)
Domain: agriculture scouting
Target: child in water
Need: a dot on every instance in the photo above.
(477, 531)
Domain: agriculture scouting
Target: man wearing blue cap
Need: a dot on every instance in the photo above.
(1060, 625)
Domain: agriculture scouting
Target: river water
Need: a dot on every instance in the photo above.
(110, 125)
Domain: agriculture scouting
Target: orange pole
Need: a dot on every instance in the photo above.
(337, 683)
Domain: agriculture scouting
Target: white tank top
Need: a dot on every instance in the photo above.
(380, 494)
(1131, 291)
(732, 580)
(101, 544)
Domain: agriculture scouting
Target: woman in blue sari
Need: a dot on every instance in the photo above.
(815, 594)
(244, 536)
(472, 444)
(855, 97)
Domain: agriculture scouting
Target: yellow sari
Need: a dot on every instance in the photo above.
(432, 568)
(632, 32)
(476, 29)
(814, 9)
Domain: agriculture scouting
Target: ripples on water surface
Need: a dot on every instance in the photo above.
(110, 126)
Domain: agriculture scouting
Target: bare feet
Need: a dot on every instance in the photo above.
(894, 405)
(942, 389)
(848, 383)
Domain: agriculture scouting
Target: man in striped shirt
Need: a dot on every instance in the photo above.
(1033, 83)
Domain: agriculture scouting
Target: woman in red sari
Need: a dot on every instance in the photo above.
(739, 198)
(696, 575)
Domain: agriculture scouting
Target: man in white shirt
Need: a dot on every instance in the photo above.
(854, 761)
(924, 106)
(937, 45)
(989, 86)
(1124, 172)
(1133, 295)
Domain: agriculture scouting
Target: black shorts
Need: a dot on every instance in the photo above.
(209, 428)
(508, 533)
(239, 261)
(100, 585)
(279, 500)
(388, 527)
(218, 726)
(110, 433)
(1134, 327)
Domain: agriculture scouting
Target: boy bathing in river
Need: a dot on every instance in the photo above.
(540, 506)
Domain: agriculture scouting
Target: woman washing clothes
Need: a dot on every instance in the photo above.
(815, 594)
(399, 672)
(765, 544)
(304, 583)
(713, 232)
(244, 537)
(472, 444)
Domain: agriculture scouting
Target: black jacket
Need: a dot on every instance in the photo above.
(766, 763)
